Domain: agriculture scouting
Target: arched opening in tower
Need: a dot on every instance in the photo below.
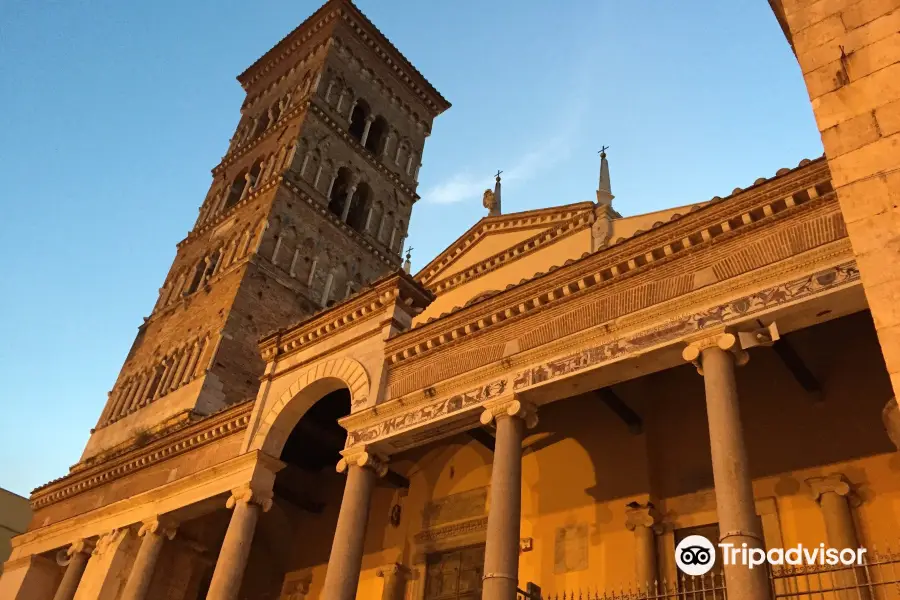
(236, 189)
(358, 119)
(359, 204)
(377, 134)
(339, 192)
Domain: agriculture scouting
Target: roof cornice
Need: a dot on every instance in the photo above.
(394, 289)
(747, 209)
(367, 32)
(194, 435)
(500, 223)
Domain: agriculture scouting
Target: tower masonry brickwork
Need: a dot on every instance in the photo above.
(311, 201)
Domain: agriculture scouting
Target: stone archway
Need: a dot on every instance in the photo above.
(313, 384)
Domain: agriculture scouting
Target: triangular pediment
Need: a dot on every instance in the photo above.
(492, 236)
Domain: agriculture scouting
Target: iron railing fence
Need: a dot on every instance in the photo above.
(705, 587)
(878, 578)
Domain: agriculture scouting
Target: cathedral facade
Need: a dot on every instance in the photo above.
(547, 409)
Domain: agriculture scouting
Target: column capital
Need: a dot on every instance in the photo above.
(83, 546)
(720, 339)
(642, 515)
(246, 494)
(509, 406)
(393, 569)
(835, 483)
(363, 458)
(158, 526)
(108, 539)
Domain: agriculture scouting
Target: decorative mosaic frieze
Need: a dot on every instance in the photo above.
(674, 330)
(428, 412)
(670, 331)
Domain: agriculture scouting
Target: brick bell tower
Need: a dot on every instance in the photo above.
(311, 201)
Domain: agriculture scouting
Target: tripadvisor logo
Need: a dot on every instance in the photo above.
(695, 555)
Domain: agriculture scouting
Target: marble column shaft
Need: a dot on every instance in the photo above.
(153, 535)
(501, 553)
(229, 571)
(736, 509)
(79, 554)
(345, 561)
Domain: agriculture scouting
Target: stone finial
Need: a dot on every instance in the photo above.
(407, 264)
(641, 515)
(835, 483)
(510, 406)
(363, 458)
(604, 189)
(247, 495)
(491, 200)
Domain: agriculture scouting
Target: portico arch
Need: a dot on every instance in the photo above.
(279, 419)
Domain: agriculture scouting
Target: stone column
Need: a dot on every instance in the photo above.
(77, 555)
(715, 358)
(501, 553)
(334, 177)
(153, 534)
(247, 504)
(395, 576)
(348, 200)
(835, 497)
(642, 520)
(365, 134)
(345, 562)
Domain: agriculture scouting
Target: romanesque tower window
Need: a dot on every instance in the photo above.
(375, 141)
(339, 192)
(358, 119)
(359, 203)
(236, 190)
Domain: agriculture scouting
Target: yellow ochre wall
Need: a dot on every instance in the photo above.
(581, 465)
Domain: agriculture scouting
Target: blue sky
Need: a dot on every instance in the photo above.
(115, 112)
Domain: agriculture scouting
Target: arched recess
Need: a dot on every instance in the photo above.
(361, 112)
(359, 204)
(282, 416)
(339, 192)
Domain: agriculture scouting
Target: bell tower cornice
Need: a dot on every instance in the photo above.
(367, 32)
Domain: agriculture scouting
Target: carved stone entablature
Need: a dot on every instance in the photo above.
(211, 429)
(395, 290)
(780, 229)
(686, 326)
(548, 217)
(397, 416)
(394, 419)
